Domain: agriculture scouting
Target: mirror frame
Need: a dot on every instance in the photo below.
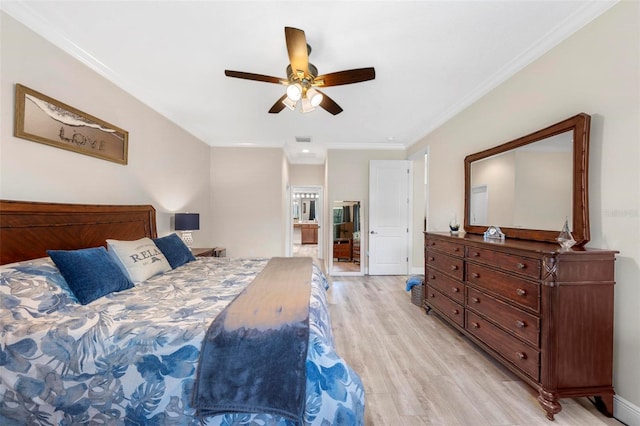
(580, 125)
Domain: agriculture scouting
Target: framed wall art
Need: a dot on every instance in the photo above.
(40, 118)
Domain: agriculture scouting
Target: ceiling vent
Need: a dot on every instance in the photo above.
(303, 139)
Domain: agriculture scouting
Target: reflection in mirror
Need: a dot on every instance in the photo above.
(510, 187)
(531, 185)
(346, 236)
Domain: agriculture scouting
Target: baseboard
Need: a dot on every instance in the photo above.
(417, 270)
(625, 411)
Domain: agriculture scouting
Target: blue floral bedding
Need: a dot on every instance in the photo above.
(131, 357)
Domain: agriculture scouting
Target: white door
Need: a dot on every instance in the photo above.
(389, 183)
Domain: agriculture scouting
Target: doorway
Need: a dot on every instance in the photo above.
(307, 207)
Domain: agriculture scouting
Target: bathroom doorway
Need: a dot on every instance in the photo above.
(307, 221)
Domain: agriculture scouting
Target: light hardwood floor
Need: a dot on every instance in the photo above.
(418, 371)
(311, 250)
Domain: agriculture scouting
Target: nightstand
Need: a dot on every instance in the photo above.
(202, 252)
(209, 252)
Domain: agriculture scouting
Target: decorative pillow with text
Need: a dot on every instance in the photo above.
(140, 259)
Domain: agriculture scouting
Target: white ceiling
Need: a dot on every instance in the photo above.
(432, 59)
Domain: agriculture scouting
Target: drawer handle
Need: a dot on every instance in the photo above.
(475, 275)
(475, 325)
(455, 311)
(433, 277)
(454, 267)
(431, 258)
(456, 249)
(432, 295)
(521, 292)
(475, 254)
(433, 243)
(520, 324)
(521, 265)
(475, 300)
(455, 289)
(521, 355)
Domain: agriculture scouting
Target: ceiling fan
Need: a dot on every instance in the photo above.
(303, 80)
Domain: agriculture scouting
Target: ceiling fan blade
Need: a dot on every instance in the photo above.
(255, 77)
(329, 104)
(297, 49)
(345, 77)
(278, 106)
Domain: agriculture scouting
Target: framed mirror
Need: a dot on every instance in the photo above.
(346, 246)
(529, 186)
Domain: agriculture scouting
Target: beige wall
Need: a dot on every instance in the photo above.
(595, 71)
(285, 207)
(348, 179)
(167, 168)
(499, 176)
(306, 175)
(543, 170)
(248, 208)
(419, 212)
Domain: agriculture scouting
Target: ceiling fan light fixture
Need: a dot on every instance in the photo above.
(302, 75)
(314, 97)
(306, 105)
(294, 92)
(289, 103)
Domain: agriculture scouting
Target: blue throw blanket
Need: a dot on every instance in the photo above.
(413, 281)
(254, 355)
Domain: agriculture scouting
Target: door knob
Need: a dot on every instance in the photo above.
(373, 232)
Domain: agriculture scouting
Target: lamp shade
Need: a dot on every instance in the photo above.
(294, 92)
(314, 96)
(187, 221)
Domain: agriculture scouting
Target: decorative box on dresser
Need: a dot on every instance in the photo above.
(544, 313)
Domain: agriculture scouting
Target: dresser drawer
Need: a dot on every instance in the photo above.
(447, 285)
(521, 265)
(452, 248)
(450, 265)
(518, 353)
(444, 305)
(518, 322)
(524, 293)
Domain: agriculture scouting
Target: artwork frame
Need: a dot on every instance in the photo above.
(40, 118)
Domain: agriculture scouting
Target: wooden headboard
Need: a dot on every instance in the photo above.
(29, 229)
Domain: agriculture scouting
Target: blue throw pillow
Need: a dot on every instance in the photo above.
(175, 250)
(90, 273)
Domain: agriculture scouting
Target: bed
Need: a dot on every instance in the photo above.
(134, 356)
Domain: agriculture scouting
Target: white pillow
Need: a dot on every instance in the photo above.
(139, 259)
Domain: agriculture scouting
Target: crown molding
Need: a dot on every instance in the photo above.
(587, 13)
(366, 145)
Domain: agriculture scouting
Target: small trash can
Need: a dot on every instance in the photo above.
(415, 284)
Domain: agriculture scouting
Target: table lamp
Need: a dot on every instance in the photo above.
(187, 222)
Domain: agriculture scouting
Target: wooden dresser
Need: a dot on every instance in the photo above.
(342, 249)
(546, 314)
